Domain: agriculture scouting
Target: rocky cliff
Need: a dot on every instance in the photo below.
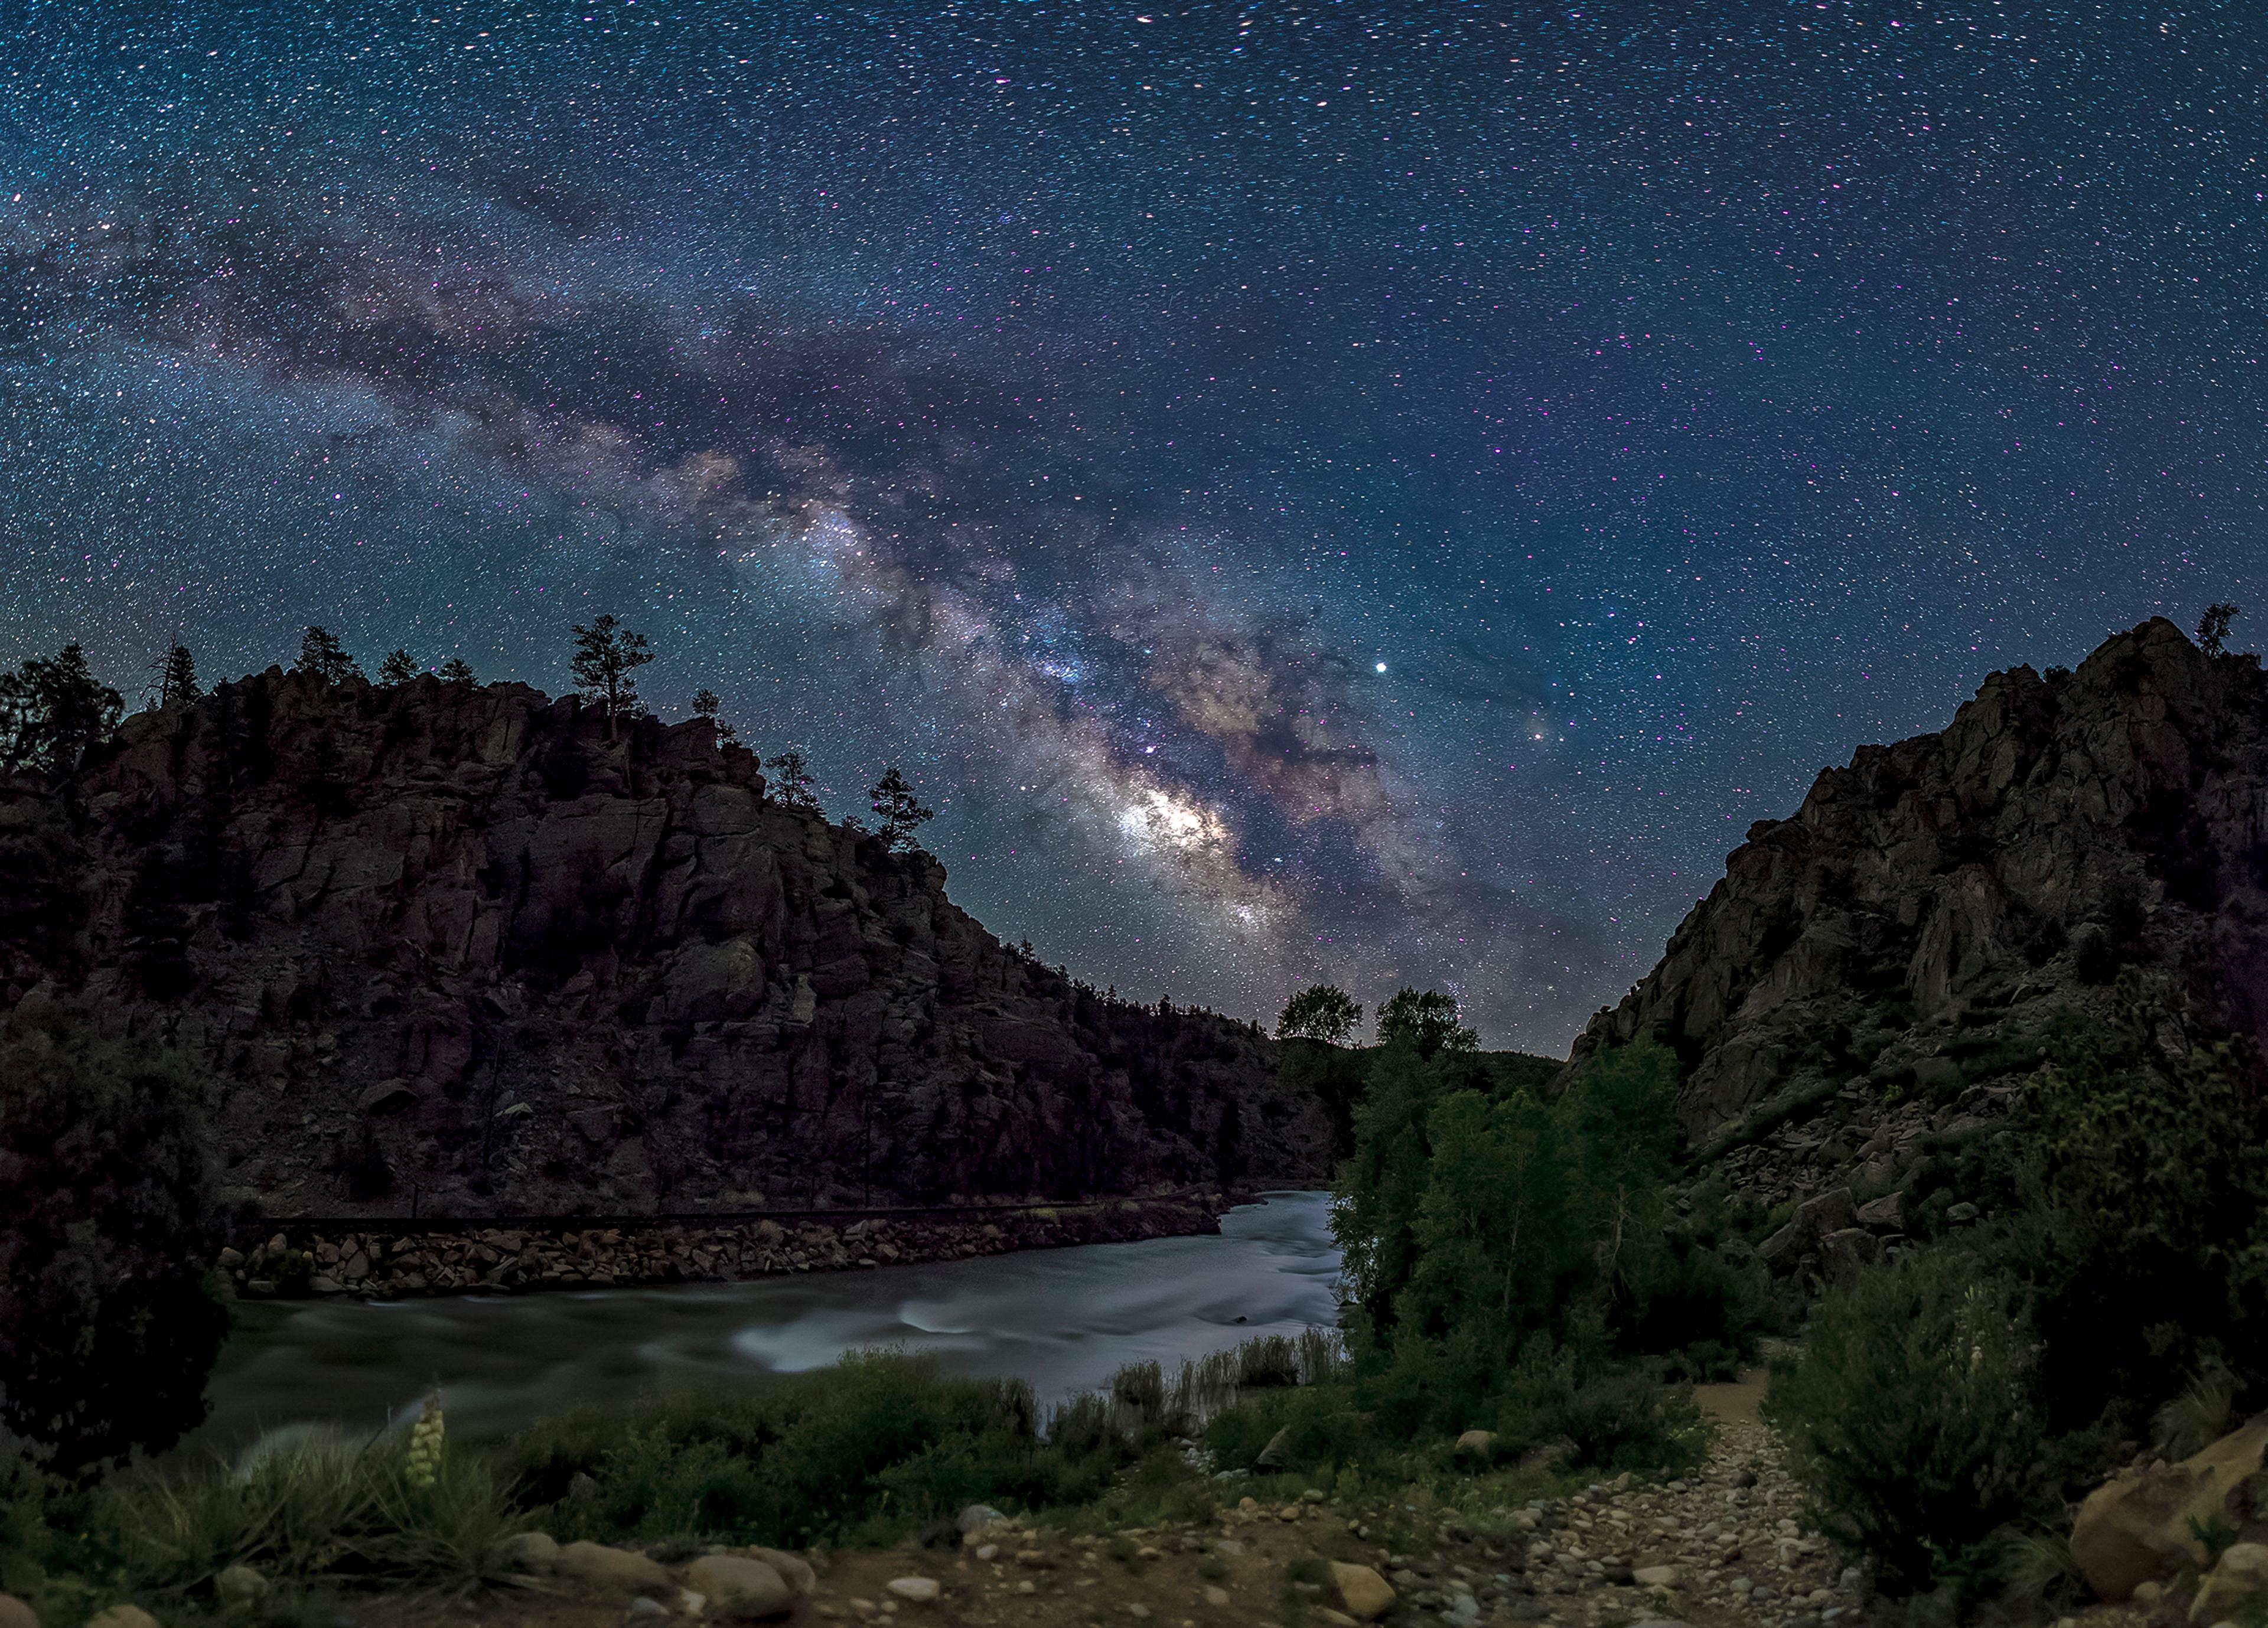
(470, 949)
(1906, 936)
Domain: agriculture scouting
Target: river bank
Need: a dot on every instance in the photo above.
(373, 1259)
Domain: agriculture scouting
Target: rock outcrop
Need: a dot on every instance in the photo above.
(1911, 931)
(2145, 1526)
(478, 952)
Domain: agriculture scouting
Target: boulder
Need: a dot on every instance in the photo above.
(1271, 1457)
(1655, 1576)
(918, 1590)
(387, 1096)
(15, 1614)
(794, 1570)
(2136, 1527)
(1842, 1253)
(2238, 1579)
(976, 1517)
(239, 1585)
(1886, 1214)
(1478, 1443)
(596, 1563)
(529, 1551)
(1363, 1592)
(123, 1617)
(1831, 1211)
(740, 1589)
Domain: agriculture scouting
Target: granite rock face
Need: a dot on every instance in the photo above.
(1932, 906)
(473, 948)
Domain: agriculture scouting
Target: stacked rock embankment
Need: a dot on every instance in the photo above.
(372, 1260)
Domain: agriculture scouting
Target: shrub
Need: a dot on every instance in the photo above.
(2144, 1236)
(1910, 1417)
(1625, 1423)
(106, 1327)
(878, 1442)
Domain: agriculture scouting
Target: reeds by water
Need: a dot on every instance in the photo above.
(1140, 1397)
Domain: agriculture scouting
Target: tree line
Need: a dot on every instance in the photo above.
(53, 710)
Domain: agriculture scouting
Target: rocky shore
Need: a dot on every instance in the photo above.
(367, 1260)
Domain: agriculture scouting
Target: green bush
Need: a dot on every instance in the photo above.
(2144, 1230)
(1626, 1422)
(1910, 1418)
(879, 1442)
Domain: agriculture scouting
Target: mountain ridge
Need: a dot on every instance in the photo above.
(502, 953)
(1932, 906)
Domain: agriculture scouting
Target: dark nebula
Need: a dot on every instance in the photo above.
(1382, 494)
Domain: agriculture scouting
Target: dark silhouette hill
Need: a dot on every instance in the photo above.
(1911, 930)
(472, 948)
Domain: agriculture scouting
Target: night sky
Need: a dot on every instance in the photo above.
(1383, 495)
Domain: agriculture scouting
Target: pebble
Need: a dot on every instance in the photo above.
(918, 1590)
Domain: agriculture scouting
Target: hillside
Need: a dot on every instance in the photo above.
(464, 948)
(1907, 935)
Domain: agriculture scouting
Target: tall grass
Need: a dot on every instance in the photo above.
(1139, 1398)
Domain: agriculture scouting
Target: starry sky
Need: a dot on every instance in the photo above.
(1382, 494)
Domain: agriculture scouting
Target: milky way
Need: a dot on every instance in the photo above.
(1308, 492)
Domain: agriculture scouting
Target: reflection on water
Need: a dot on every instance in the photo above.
(1064, 1319)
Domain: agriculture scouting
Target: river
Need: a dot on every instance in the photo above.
(1062, 1319)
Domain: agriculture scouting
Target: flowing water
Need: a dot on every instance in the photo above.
(1062, 1319)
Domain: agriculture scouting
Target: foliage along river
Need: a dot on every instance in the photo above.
(1062, 1319)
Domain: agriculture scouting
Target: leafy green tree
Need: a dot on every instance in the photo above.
(1321, 1012)
(1427, 1021)
(456, 670)
(608, 657)
(106, 1329)
(2213, 629)
(1478, 1227)
(899, 812)
(319, 653)
(177, 679)
(53, 711)
(791, 780)
(399, 667)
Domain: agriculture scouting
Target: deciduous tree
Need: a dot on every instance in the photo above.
(1321, 1012)
(1427, 1021)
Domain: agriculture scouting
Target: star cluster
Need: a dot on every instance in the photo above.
(1308, 491)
